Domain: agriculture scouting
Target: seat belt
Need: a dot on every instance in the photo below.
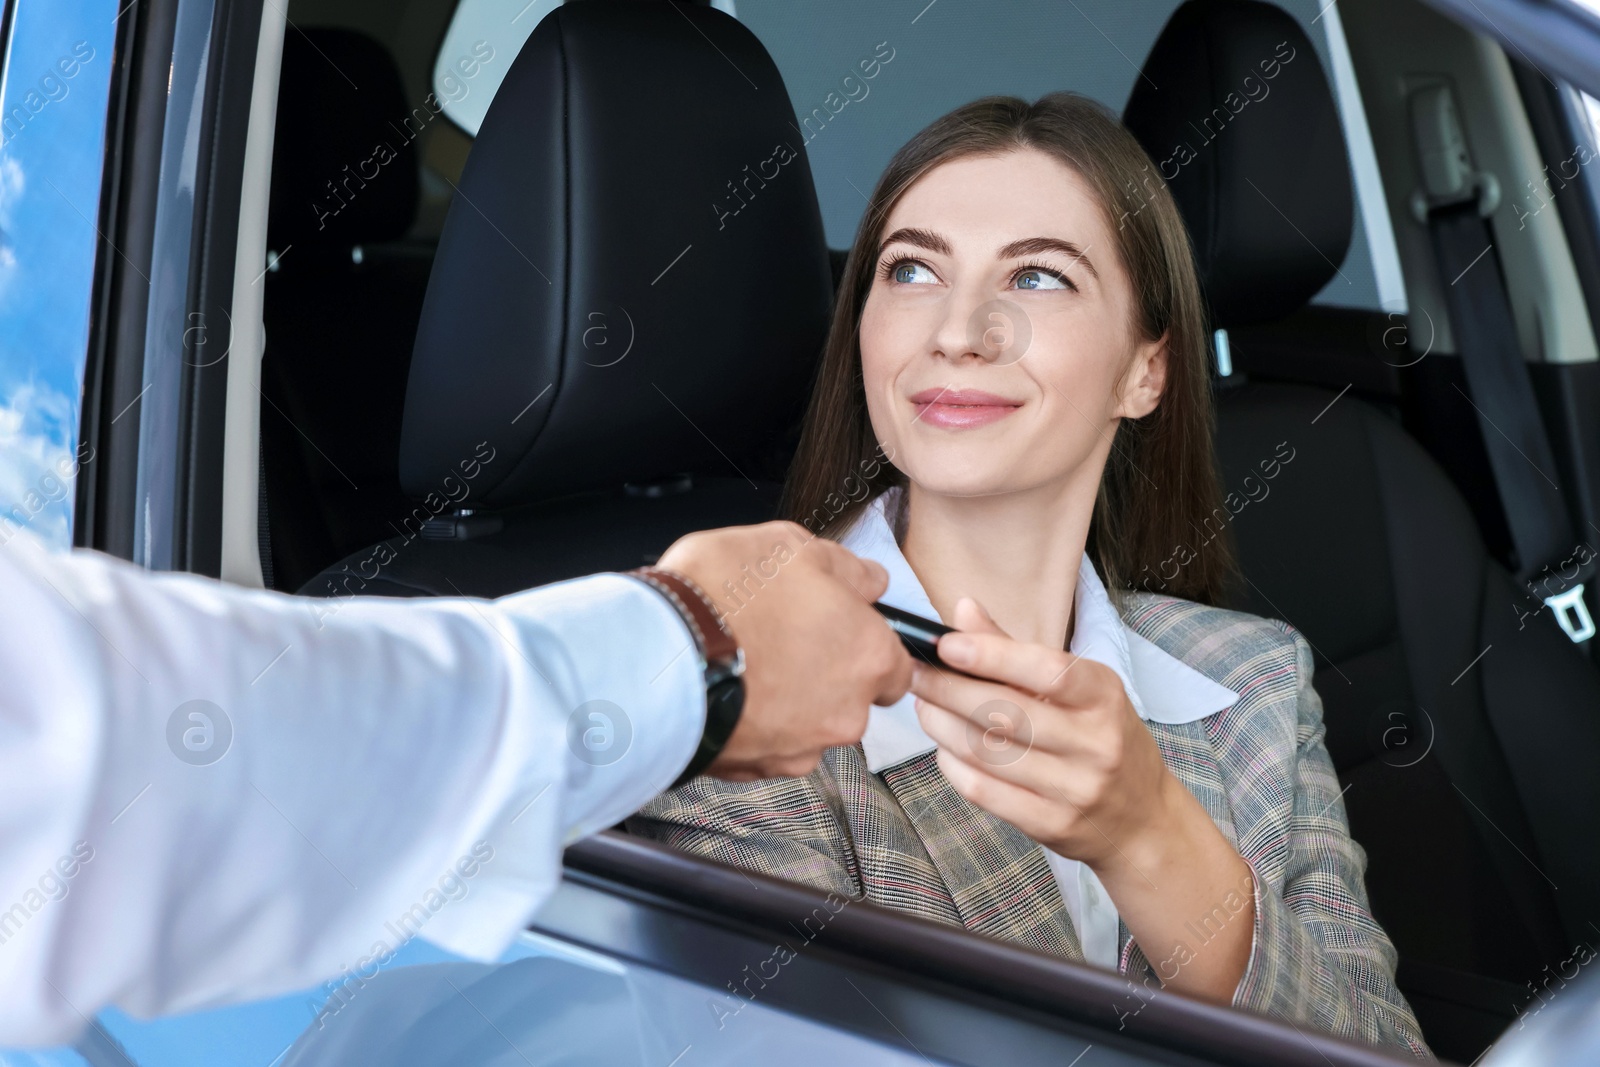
(1455, 207)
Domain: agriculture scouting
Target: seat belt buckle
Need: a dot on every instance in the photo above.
(1448, 176)
(1572, 614)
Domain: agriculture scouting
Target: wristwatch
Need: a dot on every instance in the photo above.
(721, 661)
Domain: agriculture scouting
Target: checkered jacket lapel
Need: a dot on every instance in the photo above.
(995, 875)
(895, 866)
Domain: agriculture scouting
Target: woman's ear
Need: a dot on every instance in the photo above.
(1146, 380)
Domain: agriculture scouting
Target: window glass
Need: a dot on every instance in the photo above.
(52, 129)
(260, 1033)
(592, 1009)
(426, 1006)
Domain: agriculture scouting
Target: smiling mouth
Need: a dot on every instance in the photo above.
(961, 409)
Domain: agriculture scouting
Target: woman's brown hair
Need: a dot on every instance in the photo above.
(1159, 522)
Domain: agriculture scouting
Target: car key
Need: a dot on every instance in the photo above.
(920, 636)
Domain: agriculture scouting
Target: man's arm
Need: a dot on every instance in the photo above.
(213, 793)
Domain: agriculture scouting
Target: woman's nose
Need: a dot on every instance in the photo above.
(993, 329)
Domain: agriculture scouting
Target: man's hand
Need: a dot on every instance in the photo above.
(816, 654)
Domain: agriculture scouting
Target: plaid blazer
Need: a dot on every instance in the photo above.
(904, 838)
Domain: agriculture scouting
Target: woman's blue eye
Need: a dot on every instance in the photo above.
(911, 273)
(1038, 279)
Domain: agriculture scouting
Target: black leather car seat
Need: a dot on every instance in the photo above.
(627, 306)
(342, 302)
(1462, 723)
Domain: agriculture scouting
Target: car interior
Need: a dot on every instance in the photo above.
(505, 355)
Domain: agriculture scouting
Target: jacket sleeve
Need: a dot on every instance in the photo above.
(1318, 956)
(784, 827)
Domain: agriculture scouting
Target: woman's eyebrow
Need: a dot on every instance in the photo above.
(1032, 246)
(920, 238)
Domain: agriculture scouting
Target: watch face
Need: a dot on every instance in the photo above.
(725, 697)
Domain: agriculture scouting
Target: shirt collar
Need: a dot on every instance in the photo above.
(1161, 687)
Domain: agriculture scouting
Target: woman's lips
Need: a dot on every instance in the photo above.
(961, 409)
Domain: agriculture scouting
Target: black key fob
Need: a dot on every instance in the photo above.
(919, 635)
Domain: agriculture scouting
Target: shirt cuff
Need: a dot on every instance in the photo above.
(627, 715)
(629, 744)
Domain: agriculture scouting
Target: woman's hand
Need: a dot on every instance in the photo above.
(1052, 745)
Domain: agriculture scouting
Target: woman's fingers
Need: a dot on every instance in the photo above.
(973, 617)
(955, 691)
(988, 717)
(1001, 745)
(1029, 812)
(994, 711)
(1053, 674)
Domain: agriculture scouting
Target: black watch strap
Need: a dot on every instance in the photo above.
(724, 663)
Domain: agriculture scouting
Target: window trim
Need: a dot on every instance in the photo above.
(218, 206)
(170, 213)
(240, 550)
(163, 486)
(114, 368)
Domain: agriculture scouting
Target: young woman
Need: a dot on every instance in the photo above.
(1013, 416)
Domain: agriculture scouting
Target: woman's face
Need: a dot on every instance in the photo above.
(998, 323)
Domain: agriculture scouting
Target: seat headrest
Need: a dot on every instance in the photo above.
(344, 171)
(633, 280)
(1234, 108)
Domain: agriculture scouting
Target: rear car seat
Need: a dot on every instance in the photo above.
(626, 310)
(1468, 772)
(342, 301)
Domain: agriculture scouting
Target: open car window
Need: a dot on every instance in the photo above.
(1374, 347)
(1427, 620)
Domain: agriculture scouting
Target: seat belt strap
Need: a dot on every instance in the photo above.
(1521, 458)
(1519, 451)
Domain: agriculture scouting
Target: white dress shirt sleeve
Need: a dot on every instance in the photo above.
(210, 793)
